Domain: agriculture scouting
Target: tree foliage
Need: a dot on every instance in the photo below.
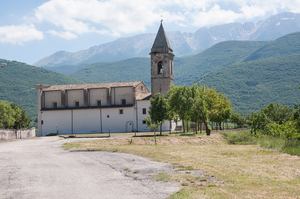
(180, 102)
(199, 104)
(12, 116)
(278, 113)
(276, 120)
(159, 110)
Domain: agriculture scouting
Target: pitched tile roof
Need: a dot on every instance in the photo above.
(143, 96)
(90, 86)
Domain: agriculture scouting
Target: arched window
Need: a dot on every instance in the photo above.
(160, 67)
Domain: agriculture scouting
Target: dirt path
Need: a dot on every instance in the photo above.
(39, 168)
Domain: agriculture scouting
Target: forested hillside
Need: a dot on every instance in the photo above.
(255, 84)
(286, 45)
(187, 69)
(16, 77)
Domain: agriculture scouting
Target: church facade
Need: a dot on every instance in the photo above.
(106, 107)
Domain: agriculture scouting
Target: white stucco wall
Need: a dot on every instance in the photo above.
(117, 122)
(60, 117)
(141, 116)
(51, 97)
(86, 121)
(73, 96)
(80, 121)
(98, 94)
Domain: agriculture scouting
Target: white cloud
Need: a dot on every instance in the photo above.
(63, 34)
(118, 17)
(19, 34)
(215, 16)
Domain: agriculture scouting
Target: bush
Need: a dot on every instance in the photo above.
(239, 137)
(52, 134)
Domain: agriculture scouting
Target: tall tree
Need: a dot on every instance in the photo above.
(199, 98)
(159, 110)
(219, 107)
(180, 102)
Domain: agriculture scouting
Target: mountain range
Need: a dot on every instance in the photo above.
(182, 43)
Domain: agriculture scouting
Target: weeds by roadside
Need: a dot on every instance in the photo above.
(283, 145)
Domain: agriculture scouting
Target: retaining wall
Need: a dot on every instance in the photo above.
(12, 134)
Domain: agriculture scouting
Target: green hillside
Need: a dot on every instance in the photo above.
(187, 69)
(134, 69)
(215, 58)
(65, 69)
(286, 45)
(256, 84)
(16, 77)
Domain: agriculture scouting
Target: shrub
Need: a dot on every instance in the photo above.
(239, 137)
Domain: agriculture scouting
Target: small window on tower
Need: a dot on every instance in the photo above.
(54, 104)
(144, 111)
(123, 101)
(99, 103)
(76, 104)
(160, 67)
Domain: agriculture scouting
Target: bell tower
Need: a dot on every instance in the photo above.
(162, 67)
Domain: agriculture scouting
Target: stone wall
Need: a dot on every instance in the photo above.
(12, 134)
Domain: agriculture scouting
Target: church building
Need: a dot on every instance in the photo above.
(106, 107)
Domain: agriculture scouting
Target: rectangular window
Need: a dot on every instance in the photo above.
(76, 104)
(144, 111)
(121, 111)
(144, 122)
(99, 103)
(123, 101)
(54, 104)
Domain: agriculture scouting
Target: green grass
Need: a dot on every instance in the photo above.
(239, 137)
(163, 177)
(283, 145)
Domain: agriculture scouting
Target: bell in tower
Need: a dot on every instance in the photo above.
(162, 71)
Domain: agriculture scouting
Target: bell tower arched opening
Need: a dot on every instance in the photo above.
(160, 67)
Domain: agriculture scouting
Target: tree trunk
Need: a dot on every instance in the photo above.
(187, 126)
(161, 129)
(170, 126)
(183, 125)
(204, 120)
(200, 127)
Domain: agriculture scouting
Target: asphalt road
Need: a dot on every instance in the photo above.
(39, 168)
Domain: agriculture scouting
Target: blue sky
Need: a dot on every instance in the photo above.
(31, 30)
